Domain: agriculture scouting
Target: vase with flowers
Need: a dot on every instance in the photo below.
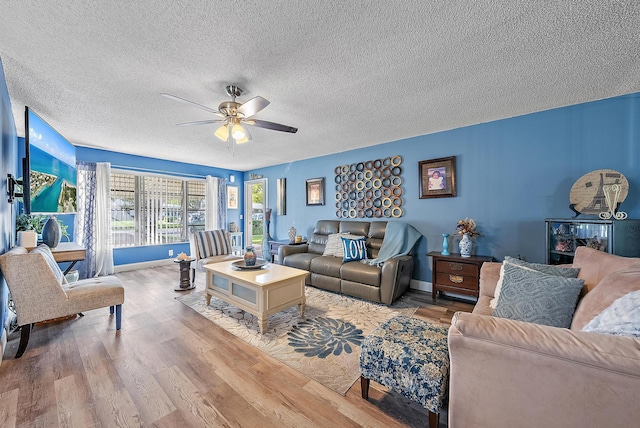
(466, 230)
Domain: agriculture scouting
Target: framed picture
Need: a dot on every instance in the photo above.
(437, 177)
(315, 191)
(232, 197)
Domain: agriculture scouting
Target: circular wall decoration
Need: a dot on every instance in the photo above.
(590, 193)
(373, 185)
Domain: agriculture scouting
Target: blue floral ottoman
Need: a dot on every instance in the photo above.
(411, 357)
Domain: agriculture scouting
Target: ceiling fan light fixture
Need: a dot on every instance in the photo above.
(238, 132)
(222, 132)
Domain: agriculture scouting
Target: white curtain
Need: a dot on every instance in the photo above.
(215, 213)
(93, 219)
(104, 245)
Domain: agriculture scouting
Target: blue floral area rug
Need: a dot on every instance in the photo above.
(324, 345)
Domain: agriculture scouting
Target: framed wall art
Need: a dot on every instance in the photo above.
(437, 177)
(232, 197)
(315, 191)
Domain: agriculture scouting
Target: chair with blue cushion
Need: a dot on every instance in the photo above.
(40, 292)
(410, 357)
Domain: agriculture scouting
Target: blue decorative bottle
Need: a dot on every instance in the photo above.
(445, 244)
(249, 257)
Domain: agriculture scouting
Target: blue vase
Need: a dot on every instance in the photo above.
(445, 244)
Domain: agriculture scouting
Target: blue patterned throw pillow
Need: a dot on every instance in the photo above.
(532, 296)
(354, 249)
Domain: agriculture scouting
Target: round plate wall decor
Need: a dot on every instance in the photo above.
(374, 189)
(588, 193)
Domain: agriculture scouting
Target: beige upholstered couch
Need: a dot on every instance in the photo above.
(381, 284)
(507, 373)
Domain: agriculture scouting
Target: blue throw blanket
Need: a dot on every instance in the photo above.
(399, 239)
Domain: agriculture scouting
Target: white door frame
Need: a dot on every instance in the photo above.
(248, 206)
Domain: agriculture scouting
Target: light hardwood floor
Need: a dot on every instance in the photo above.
(171, 367)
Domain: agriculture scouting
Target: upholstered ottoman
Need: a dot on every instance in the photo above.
(409, 356)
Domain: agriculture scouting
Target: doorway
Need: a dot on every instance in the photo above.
(255, 202)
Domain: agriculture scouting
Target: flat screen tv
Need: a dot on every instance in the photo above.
(51, 179)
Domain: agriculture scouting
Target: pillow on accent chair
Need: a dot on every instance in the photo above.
(212, 243)
(532, 296)
(565, 272)
(354, 249)
(48, 256)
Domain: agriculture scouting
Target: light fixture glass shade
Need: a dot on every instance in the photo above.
(222, 133)
(238, 132)
(242, 140)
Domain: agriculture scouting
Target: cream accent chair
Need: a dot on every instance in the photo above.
(197, 251)
(39, 295)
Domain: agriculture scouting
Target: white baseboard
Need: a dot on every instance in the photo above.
(142, 265)
(420, 285)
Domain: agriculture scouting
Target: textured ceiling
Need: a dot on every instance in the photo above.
(347, 74)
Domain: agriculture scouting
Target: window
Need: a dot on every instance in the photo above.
(153, 210)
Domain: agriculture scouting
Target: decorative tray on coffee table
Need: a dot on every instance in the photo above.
(240, 264)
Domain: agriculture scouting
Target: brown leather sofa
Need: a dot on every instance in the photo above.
(382, 284)
(507, 373)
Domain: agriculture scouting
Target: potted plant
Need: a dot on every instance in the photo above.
(36, 223)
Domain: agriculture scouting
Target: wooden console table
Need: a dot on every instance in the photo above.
(69, 252)
(456, 274)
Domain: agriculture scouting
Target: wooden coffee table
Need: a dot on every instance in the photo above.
(261, 292)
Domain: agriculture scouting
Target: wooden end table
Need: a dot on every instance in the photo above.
(456, 274)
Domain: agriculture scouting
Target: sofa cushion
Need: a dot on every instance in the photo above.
(354, 249)
(531, 296)
(362, 273)
(595, 265)
(301, 260)
(621, 318)
(48, 256)
(612, 287)
(565, 272)
(212, 243)
(321, 231)
(326, 265)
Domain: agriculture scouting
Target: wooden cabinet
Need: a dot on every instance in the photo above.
(456, 274)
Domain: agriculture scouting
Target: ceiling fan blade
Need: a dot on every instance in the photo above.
(271, 125)
(200, 122)
(200, 106)
(253, 106)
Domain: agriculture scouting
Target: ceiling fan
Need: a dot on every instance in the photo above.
(234, 116)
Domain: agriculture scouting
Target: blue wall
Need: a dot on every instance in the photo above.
(511, 174)
(123, 161)
(8, 165)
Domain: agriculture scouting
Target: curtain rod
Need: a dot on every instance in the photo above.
(156, 171)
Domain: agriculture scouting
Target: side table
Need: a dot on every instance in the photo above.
(456, 274)
(273, 250)
(185, 279)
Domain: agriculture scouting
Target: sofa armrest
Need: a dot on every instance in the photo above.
(504, 372)
(286, 250)
(396, 277)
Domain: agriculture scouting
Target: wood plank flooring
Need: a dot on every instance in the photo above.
(171, 367)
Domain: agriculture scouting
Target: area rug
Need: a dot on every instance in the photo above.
(325, 346)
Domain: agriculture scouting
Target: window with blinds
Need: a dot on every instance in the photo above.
(154, 210)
